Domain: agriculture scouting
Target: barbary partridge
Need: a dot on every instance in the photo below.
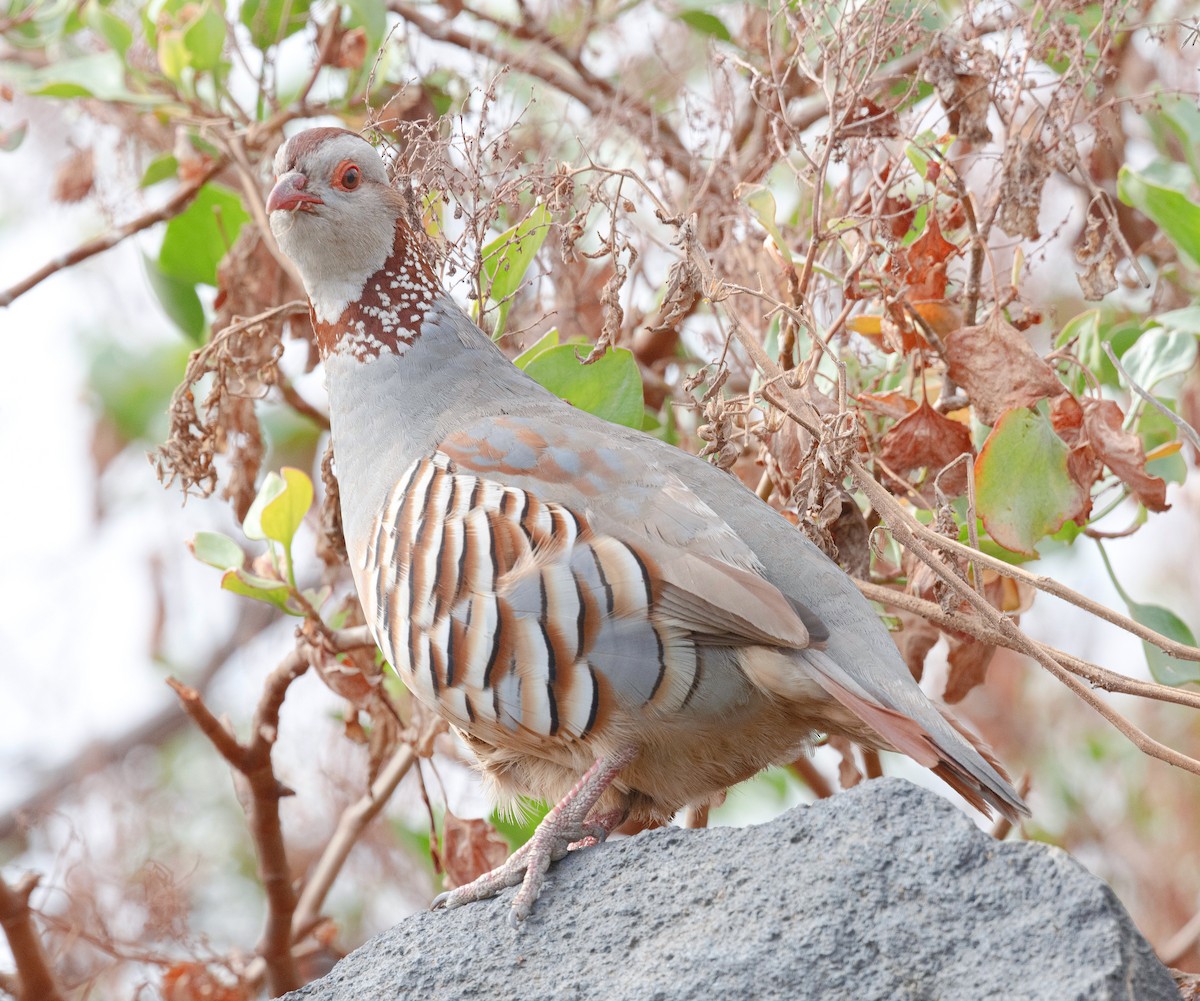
(608, 621)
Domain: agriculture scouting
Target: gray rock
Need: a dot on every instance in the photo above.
(884, 892)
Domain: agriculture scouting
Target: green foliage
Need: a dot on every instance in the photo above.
(516, 828)
(271, 21)
(276, 513)
(201, 235)
(218, 550)
(178, 299)
(1166, 669)
(706, 24)
(1023, 444)
(506, 259)
(610, 387)
(133, 388)
(1161, 192)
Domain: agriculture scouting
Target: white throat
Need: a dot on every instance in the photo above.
(335, 261)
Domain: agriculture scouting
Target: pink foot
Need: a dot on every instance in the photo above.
(561, 829)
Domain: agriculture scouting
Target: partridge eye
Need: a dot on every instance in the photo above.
(348, 178)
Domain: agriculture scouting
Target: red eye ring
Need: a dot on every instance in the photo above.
(347, 177)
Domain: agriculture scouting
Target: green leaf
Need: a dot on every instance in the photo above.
(199, 237)
(761, 202)
(99, 74)
(161, 168)
(178, 300)
(517, 827)
(204, 38)
(217, 550)
(1165, 669)
(506, 259)
(918, 158)
(548, 340)
(1090, 330)
(282, 515)
(1159, 354)
(1182, 117)
(13, 136)
(108, 26)
(1172, 210)
(1186, 319)
(272, 486)
(706, 24)
(172, 54)
(317, 598)
(271, 21)
(133, 388)
(611, 387)
(250, 585)
(1023, 489)
(371, 16)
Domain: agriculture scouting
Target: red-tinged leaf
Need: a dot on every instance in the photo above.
(968, 661)
(1066, 417)
(925, 440)
(195, 982)
(922, 265)
(998, 369)
(1122, 452)
(897, 214)
(916, 637)
(469, 849)
(1023, 488)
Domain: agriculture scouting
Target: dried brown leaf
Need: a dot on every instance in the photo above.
(922, 265)
(998, 369)
(352, 49)
(849, 774)
(1095, 251)
(1026, 168)
(469, 849)
(917, 636)
(1122, 452)
(895, 404)
(969, 661)
(925, 440)
(954, 67)
(867, 119)
(75, 177)
(897, 213)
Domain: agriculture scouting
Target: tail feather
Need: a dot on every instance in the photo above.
(939, 742)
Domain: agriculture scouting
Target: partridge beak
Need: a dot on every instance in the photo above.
(289, 195)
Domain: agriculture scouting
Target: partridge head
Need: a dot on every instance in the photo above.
(609, 622)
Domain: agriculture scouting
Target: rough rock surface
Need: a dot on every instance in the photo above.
(884, 892)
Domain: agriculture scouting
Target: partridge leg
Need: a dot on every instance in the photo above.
(562, 827)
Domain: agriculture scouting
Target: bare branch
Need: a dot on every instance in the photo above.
(153, 731)
(593, 92)
(173, 206)
(253, 761)
(33, 966)
(351, 824)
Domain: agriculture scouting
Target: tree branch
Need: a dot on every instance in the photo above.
(16, 918)
(174, 205)
(153, 731)
(253, 761)
(593, 92)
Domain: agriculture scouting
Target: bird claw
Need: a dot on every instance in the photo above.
(563, 828)
(527, 866)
